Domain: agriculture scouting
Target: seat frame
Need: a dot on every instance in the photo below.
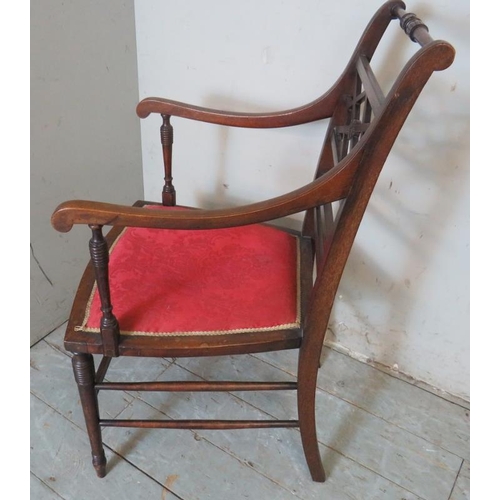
(77, 340)
(364, 124)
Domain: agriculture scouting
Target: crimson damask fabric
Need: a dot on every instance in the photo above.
(219, 281)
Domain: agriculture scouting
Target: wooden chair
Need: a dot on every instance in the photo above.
(187, 282)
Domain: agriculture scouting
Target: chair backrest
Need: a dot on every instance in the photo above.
(363, 126)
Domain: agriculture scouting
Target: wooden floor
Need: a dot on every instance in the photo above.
(380, 437)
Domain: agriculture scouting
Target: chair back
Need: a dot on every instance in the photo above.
(363, 126)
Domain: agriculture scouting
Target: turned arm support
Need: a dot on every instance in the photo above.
(331, 187)
(99, 256)
(317, 110)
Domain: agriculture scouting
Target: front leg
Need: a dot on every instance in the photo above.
(83, 368)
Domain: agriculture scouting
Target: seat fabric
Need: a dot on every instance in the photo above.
(202, 282)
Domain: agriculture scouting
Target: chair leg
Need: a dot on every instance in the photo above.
(83, 368)
(306, 397)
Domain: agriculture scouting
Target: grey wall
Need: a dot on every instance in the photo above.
(85, 137)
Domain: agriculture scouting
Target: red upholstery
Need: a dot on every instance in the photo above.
(221, 281)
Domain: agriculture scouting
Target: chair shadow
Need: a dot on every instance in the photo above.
(128, 442)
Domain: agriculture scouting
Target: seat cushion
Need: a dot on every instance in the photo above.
(202, 282)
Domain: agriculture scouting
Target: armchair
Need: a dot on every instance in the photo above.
(171, 281)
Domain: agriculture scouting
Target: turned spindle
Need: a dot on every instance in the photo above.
(99, 255)
(167, 139)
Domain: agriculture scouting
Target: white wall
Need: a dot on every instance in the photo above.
(404, 296)
(85, 136)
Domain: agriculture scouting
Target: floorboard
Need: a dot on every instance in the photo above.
(424, 414)
(40, 491)
(461, 490)
(380, 437)
(405, 459)
(276, 454)
(60, 457)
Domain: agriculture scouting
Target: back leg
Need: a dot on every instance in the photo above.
(306, 398)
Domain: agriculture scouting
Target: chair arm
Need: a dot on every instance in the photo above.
(330, 187)
(316, 110)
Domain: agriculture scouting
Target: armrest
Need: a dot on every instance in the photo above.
(330, 187)
(316, 110)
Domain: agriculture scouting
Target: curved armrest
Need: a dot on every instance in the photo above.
(331, 187)
(316, 110)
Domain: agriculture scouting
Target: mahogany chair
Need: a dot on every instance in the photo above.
(187, 282)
